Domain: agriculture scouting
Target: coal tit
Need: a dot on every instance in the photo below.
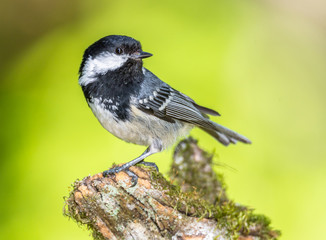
(136, 106)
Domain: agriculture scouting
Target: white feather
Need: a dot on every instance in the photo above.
(101, 64)
(141, 128)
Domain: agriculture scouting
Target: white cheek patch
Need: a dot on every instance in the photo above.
(107, 61)
(100, 65)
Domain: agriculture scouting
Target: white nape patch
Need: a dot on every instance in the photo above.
(101, 64)
(144, 70)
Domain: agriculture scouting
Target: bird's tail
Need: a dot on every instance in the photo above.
(225, 135)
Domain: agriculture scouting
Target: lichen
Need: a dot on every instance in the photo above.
(194, 189)
(73, 211)
(192, 168)
(234, 218)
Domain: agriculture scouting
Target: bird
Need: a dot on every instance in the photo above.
(136, 106)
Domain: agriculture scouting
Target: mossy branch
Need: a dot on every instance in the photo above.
(193, 205)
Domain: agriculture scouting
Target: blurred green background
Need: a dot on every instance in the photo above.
(260, 63)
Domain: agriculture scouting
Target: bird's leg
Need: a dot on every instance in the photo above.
(128, 164)
(125, 167)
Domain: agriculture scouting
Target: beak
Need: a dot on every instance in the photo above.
(141, 55)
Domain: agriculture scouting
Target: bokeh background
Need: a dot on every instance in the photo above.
(260, 63)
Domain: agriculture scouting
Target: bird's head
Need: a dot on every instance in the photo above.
(110, 54)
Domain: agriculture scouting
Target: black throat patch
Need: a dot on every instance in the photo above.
(115, 88)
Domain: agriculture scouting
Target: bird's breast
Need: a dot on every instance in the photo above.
(140, 128)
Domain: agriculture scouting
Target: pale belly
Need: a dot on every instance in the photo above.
(142, 128)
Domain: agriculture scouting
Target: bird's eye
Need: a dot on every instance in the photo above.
(118, 51)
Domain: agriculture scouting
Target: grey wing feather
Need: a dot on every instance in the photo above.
(170, 105)
(159, 99)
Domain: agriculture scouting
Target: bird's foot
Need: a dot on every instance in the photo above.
(150, 164)
(134, 177)
(125, 168)
(115, 170)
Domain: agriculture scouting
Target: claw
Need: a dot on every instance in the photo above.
(150, 164)
(112, 171)
(157, 147)
(106, 173)
(134, 177)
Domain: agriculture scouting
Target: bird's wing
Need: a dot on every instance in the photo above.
(169, 104)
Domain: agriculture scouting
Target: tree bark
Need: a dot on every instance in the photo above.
(193, 205)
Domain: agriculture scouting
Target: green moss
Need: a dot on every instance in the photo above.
(201, 194)
(85, 217)
(71, 210)
(192, 168)
(189, 203)
(235, 219)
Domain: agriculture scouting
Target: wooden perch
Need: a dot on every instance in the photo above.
(194, 207)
